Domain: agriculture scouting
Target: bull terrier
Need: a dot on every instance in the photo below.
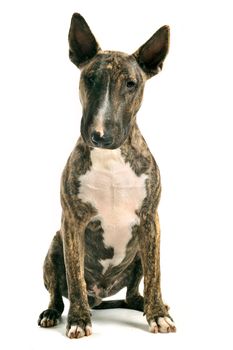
(110, 190)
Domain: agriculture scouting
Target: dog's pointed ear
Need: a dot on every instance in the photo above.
(151, 55)
(83, 45)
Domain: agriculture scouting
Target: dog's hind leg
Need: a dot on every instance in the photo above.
(134, 300)
(55, 282)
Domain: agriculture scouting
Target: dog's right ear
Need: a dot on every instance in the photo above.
(83, 45)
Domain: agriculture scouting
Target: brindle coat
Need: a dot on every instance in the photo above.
(74, 265)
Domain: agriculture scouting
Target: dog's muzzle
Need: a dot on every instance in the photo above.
(104, 141)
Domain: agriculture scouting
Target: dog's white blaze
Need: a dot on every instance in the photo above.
(113, 188)
(99, 119)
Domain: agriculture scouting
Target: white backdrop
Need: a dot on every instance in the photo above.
(186, 120)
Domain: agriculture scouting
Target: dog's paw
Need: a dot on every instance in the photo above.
(49, 318)
(78, 324)
(163, 325)
(75, 331)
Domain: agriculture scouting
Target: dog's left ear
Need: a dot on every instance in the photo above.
(151, 55)
(83, 45)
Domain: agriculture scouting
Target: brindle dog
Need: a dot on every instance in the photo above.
(110, 190)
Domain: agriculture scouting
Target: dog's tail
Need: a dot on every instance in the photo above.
(115, 304)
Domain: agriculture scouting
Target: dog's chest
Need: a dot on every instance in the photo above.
(117, 193)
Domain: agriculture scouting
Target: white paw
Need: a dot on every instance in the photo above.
(76, 331)
(163, 325)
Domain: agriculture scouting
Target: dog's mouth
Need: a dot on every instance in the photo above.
(101, 141)
(103, 145)
(95, 140)
(105, 139)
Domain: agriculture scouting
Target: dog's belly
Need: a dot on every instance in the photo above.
(117, 193)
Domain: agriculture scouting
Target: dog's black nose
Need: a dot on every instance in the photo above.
(101, 141)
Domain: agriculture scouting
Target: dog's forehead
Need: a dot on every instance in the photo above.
(114, 62)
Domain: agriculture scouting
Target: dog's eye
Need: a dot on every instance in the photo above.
(131, 85)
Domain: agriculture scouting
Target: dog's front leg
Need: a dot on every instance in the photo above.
(79, 321)
(154, 309)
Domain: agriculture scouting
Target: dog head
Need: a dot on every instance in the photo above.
(112, 83)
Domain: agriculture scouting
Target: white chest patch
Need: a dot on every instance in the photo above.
(113, 188)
